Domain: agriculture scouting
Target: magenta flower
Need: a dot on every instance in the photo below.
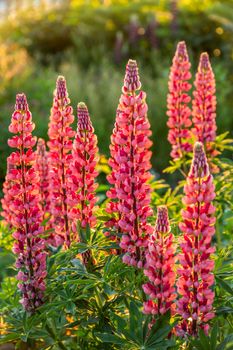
(82, 174)
(60, 145)
(82, 198)
(204, 106)
(196, 277)
(6, 200)
(177, 103)
(160, 261)
(43, 171)
(112, 205)
(130, 198)
(25, 208)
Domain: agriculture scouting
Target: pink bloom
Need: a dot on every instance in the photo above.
(43, 171)
(130, 161)
(82, 173)
(6, 200)
(196, 277)
(204, 106)
(177, 103)
(60, 145)
(25, 208)
(159, 268)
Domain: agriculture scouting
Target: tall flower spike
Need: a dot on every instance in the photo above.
(6, 200)
(204, 106)
(60, 145)
(82, 196)
(130, 161)
(196, 278)
(43, 171)
(83, 171)
(160, 262)
(178, 99)
(112, 206)
(25, 208)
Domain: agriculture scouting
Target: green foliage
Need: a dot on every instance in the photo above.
(99, 306)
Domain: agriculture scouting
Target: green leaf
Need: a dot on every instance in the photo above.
(110, 338)
(224, 285)
(213, 338)
(9, 337)
(227, 341)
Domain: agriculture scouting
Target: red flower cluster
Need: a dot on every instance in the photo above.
(25, 207)
(60, 146)
(131, 164)
(204, 106)
(196, 277)
(160, 261)
(43, 172)
(177, 103)
(112, 206)
(6, 200)
(82, 173)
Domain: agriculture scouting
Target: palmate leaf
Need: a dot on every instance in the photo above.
(206, 342)
(5, 338)
(135, 334)
(224, 285)
(226, 344)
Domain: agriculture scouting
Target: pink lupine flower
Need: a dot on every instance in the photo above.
(25, 208)
(130, 160)
(112, 205)
(196, 278)
(43, 171)
(204, 106)
(177, 103)
(82, 186)
(83, 171)
(6, 200)
(60, 145)
(160, 261)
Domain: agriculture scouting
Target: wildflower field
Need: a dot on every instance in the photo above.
(102, 253)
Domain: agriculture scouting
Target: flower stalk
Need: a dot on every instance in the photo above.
(204, 108)
(60, 146)
(160, 263)
(25, 208)
(130, 197)
(178, 101)
(195, 274)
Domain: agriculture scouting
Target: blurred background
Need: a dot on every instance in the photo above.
(90, 42)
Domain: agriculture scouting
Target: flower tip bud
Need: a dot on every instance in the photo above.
(21, 102)
(61, 90)
(82, 105)
(162, 222)
(181, 48)
(198, 147)
(204, 61)
(84, 122)
(199, 165)
(132, 79)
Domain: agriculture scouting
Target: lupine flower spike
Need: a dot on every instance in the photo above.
(25, 208)
(83, 171)
(160, 261)
(196, 277)
(6, 200)
(60, 145)
(204, 107)
(112, 205)
(43, 171)
(131, 172)
(178, 99)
